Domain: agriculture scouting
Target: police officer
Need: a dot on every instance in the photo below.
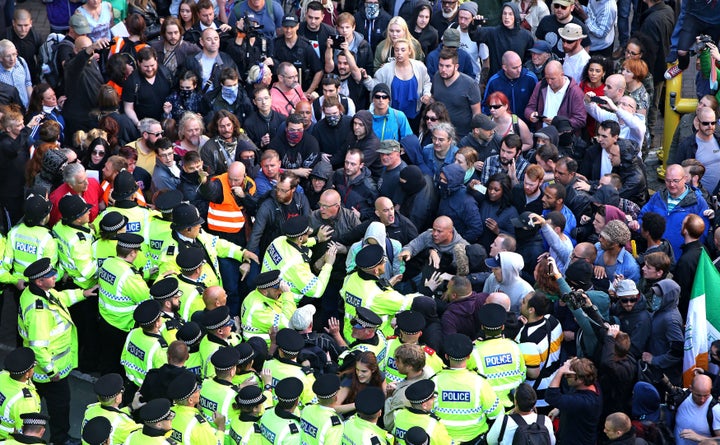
(109, 390)
(284, 364)
(122, 288)
(167, 293)
(245, 369)
(410, 325)
(97, 431)
(365, 288)
(46, 326)
(270, 305)
(156, 416)
(189, 262)
(364, 329)
(497, 358)
(218, 326)
(29, 241)
(319, 422)
(189, 426)
(123, 202)
(160, 232)
(75, 239)
(466, 400)
(187, 232)
(362, 427)
(33, 429)
(218, 393)
(191, 334)
(279, 425)
(421, 396)
(19, 393)
(105, 246)
(145, 348)
(244, 429)
(416, 436)
(290, 254)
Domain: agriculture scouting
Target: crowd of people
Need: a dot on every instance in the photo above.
(356, 222)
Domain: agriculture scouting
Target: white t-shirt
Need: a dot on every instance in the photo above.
(694, 417)
(573, 66)
(709, 154)
(494, 433)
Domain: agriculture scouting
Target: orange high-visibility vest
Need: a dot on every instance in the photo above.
(226, 216)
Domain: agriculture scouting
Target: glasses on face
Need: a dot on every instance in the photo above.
(708, 124)
(431, 118)
(157, 135)
(559, 6)
(282, 190)
(672, 181)
(569, 42)
(495, 106)
(98, 152)
(381, 96)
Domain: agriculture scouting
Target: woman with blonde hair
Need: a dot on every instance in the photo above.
(397, 29)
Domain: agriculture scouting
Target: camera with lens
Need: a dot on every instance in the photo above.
(702, 41)
(480, 22)
(251, 28)
(575, 299)
(337, 40)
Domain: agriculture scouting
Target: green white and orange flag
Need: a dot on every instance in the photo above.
(702, 325)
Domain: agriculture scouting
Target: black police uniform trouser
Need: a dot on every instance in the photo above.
(113, 343)
(57, 397)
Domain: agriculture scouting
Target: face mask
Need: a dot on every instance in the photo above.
(185, 94)
(443, 188)
(566, 139)
(333, 121)
(48, 110)
(655, 302)
(230, 94)
(372, 10)
(295, 137)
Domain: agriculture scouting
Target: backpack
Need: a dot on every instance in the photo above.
(48, 58)
(535, 433)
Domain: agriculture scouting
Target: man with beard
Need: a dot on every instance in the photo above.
(549, 27)
(355, 185)
(458, 91)
(350, 77)
(286, 92)
(298, 152)
(449, 15)
(507, 161)
(566, 174)
(209, 63)
(190, 133)
(220, 151)
(314, 29)
(331, 88)
(147, 87)
(171, 49)
(482, 138)
(262, 125)
(167, 293)
(364, 138)
(390, 155)
(150, 132)
(332, 130)
(527, 197)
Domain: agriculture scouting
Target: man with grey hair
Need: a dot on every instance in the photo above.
(442, 150)
(15, 71)
(190, 133)
(150, 132)
(76, 182)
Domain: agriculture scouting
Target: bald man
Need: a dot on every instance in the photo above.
(82, 84)
(691, 420)
(513, 80)
(441, 240)
(397, 226)
(540, 112)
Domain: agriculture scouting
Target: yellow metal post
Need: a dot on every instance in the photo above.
(675, 105)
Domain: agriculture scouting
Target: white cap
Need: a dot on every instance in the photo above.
(302, 318)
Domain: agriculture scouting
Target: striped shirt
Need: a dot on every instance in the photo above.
(535, 340)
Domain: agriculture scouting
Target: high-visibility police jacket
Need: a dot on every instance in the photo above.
(282, 368)
(377, 344)
(293, 262)
(226, 216)
(433, 363)
(218, 396)
(191, 428)
(279, 427)
(170, 326)
(75, 253)
(242, 376)
(191, 300)
(409, 417)
(143, 351)
(138, 219)
(208, 345)
(502, 364)
(363, 289)
(160, 234)
(214, 248)
(244, 430)
(149, 436)
(464, 403)
(120, 419)
(357, 431)
(194, 363)
(259, 313)
(15, 398)
(24, 246)
(103, 249)
(122, 288)
(320, 425)
(45, 325)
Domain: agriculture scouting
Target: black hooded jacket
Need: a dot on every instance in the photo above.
(501, 39)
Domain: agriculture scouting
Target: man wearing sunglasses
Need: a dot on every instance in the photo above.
(631, 308)
(704, 146)
(561, 15)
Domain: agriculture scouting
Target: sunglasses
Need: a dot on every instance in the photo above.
(158, 134)
(709, 124)
(628, 300)
(558, 6)
(431, 119)
(381, 96)
(569, 42)
(495, 107)
(98, 153)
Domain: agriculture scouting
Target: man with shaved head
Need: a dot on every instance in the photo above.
(442, 241)
(82, 84)
(397, 226)
(546, 101)
(691, 421)
(210, 44)
(513, 80)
